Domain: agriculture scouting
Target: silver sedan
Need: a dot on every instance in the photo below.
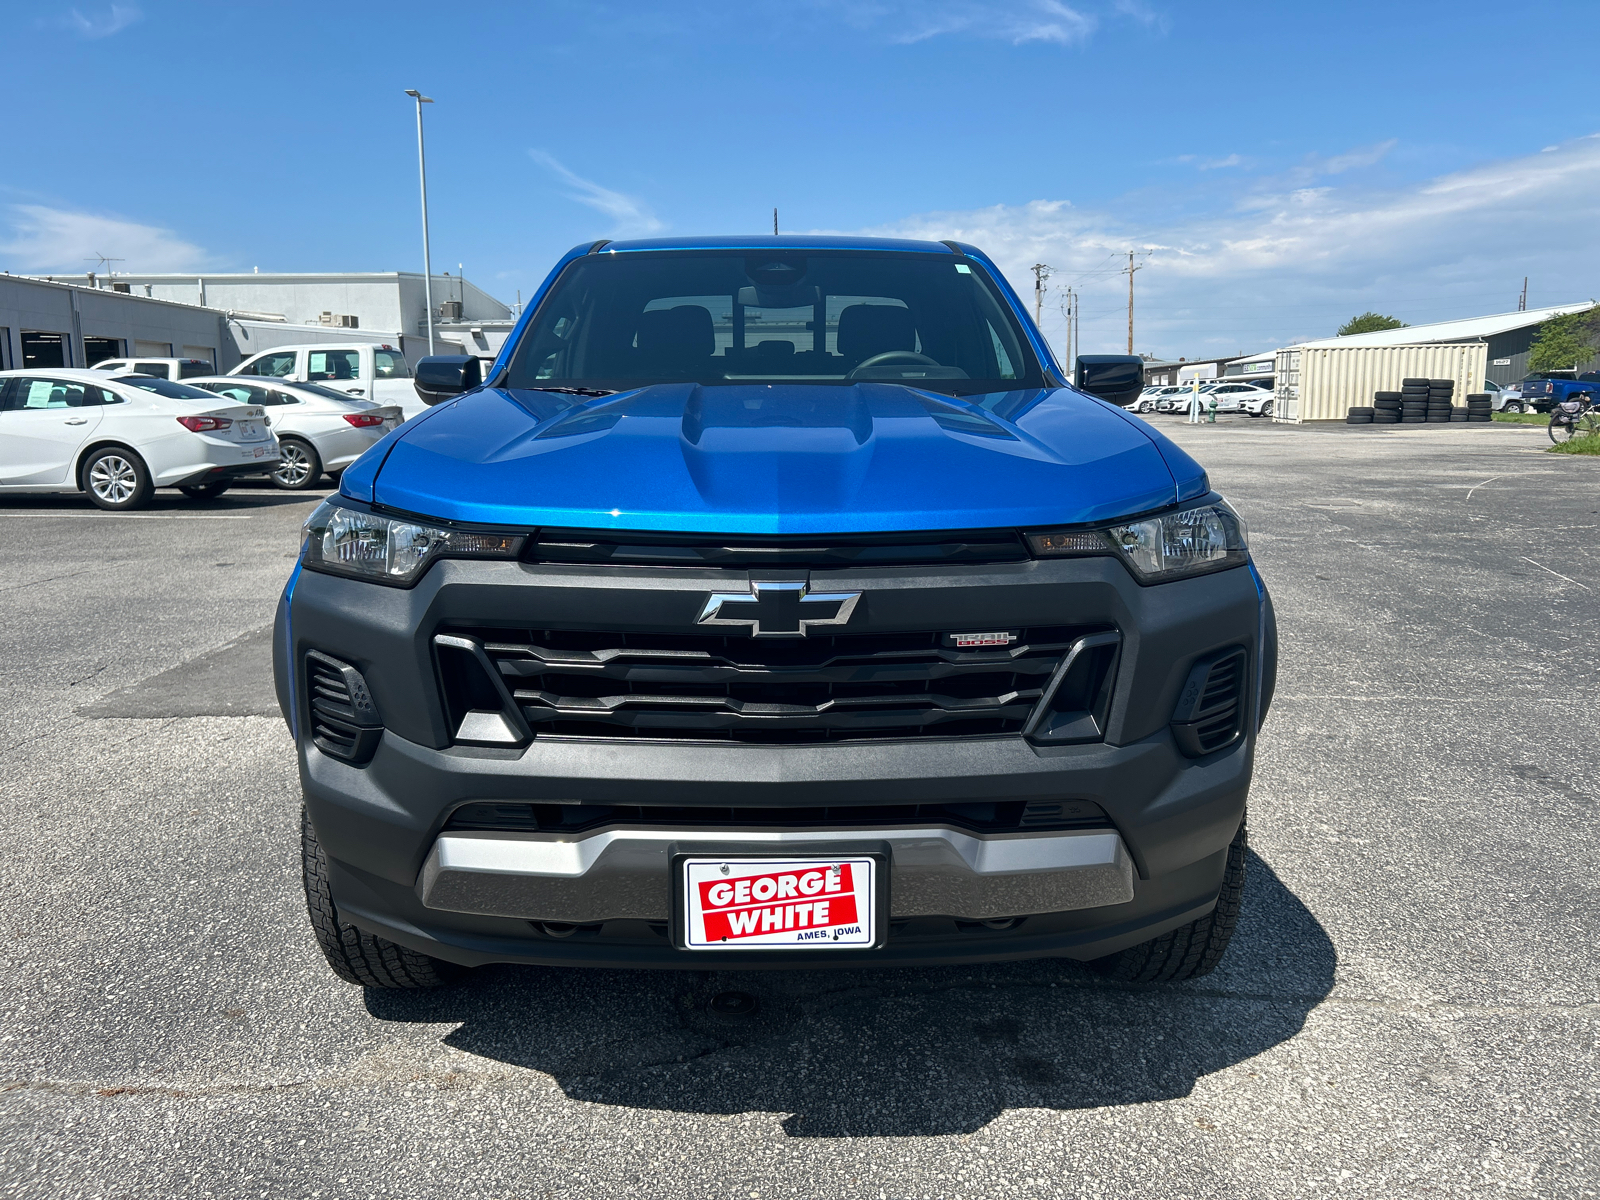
(319, 430)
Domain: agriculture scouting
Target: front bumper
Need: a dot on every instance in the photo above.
(603, 897)
(626, 873)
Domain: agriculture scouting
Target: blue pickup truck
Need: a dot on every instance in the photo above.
(1543, 390)
(773, 603)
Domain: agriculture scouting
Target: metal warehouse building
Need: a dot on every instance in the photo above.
(44, 324)
(47, 322)
(1509, 337)
(379, 300)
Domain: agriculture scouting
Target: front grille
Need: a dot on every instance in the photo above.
(708, 687)
(344, 720)
(1212, 707)
(1004, 816)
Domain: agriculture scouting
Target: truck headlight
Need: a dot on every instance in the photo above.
(1175, 545)
(341, 540)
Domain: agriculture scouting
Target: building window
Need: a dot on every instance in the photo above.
(98, 349)
(43, 350)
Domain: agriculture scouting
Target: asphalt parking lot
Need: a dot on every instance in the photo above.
(1410, 1006)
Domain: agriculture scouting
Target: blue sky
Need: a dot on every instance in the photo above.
(1280, 167)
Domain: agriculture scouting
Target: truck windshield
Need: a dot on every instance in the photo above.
(931, 321)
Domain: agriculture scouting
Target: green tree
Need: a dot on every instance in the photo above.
(1565, 342)
(1370, 322)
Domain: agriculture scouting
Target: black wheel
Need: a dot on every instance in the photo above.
(1513, 406)
(1564, 427)
(357, 957)
(1190, 950)
(205, 491)
(117, 479)
(298, 467)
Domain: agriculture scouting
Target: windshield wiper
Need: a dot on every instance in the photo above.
(576, 391)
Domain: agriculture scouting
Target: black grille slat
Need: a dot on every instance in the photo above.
(984, 816)
(702, 551)
(719, 687)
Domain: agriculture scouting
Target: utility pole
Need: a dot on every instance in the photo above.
(1069, 311)
(422, 172)
(1522, 303)
(1131, 270)
(774, 222)
(1040, 274)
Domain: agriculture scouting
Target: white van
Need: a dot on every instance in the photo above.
(366, 372)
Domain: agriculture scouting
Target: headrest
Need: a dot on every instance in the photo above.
(868, 329)
(677, 333)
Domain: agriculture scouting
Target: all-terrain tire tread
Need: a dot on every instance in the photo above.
(358, 957)
(1191, 950)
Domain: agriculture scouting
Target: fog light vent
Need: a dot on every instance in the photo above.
(344, 720)
(1211, 707)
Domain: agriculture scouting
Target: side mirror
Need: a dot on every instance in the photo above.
(1117, 378)
(444, 375)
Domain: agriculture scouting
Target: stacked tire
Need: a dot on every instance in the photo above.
(1480, 408)
(1458, 415)
(1441, 399)
(1413, 401)
(1386, 408)
(1359, 416)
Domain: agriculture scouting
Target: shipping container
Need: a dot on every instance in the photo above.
(1323, 383)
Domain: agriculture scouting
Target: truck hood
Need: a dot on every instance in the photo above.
(775, 459)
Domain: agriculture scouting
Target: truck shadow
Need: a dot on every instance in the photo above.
(894, 1053)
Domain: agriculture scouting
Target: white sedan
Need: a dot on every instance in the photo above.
(118, 438)
(319, 430)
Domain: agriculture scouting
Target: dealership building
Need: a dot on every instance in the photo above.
(76, 321)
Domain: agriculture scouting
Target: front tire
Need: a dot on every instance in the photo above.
(117, 480)
(357, 957)
(299, 467)
(1513, 406)
(1191, 950)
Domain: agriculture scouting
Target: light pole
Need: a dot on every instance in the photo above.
(422, 172)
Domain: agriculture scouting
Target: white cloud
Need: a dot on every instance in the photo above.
(1315, 166)
(53, 239)
(1142, 13)
(1014, 21)
(632, 216)
(1295, 263)
(102, 24)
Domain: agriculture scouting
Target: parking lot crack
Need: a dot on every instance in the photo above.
(17, 587)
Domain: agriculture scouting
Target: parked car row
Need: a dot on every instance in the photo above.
(1231, 397)
(118, 438)
(116, 435)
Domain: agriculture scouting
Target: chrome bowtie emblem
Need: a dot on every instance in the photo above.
(781, 608)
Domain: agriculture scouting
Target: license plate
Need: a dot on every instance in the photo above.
(779, 903)
(391, 422)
